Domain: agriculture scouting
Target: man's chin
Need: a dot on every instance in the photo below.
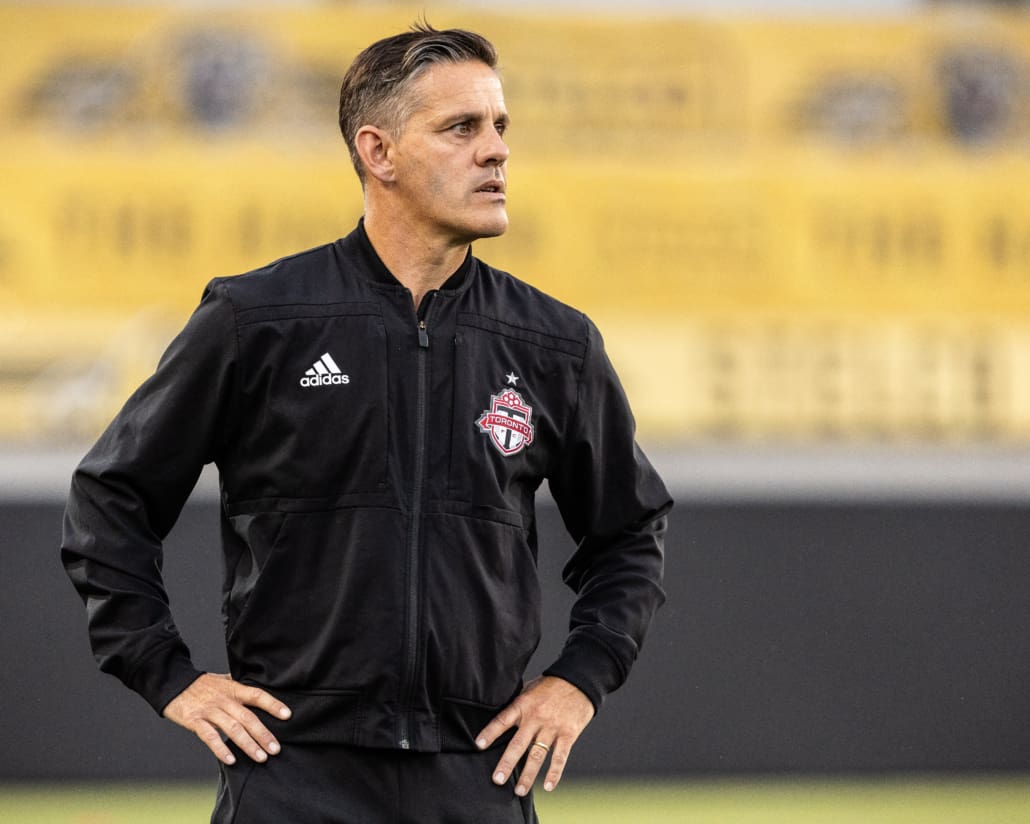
(480, 226)
(484, 230)
(494, 228)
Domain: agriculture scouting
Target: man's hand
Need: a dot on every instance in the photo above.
(216, 702)
(550, 714)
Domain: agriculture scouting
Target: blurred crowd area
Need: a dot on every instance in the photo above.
(793, 229)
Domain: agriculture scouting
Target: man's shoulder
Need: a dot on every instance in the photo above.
(512, 300)
(309, 276)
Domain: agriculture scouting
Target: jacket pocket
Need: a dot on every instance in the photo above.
(513, 392)
(323, 611)
(318, 717)
(314, 404)
(482, 608)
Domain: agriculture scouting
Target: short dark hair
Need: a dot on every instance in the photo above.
(375, 84)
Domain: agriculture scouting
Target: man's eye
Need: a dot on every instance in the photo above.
(501, 127)
(462, 128)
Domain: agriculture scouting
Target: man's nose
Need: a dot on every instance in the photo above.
(494, 151)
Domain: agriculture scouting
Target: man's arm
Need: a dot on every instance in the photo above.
(125, 497)
(614, 506)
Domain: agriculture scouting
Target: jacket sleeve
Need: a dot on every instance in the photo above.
(128, 492)
(614, 506)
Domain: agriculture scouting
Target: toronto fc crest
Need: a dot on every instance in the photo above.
(507, 422)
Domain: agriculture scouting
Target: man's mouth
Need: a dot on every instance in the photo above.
(493, 187)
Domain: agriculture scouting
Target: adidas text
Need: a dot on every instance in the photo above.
(325, 372)
(324, 380)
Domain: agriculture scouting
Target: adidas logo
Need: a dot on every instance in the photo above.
(325, 372)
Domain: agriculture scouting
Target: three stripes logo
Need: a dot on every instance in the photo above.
(325, 372)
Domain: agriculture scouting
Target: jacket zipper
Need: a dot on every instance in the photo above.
(414, 534)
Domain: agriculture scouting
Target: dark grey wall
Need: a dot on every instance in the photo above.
(798, 637)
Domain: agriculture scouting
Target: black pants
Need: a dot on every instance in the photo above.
(320, 784)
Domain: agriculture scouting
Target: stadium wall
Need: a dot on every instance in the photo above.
(800, 635)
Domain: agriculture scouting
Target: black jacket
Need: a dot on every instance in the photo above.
(378, 471)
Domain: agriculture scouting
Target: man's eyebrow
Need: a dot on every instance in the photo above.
(474, 117)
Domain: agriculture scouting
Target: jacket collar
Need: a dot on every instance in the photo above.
(379, 273)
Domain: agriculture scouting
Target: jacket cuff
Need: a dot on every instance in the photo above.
(163, 675)
(588, 664)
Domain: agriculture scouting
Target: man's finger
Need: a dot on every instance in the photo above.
(512, 755)
(559, 758)
(505, 720)
(536, 754)
(247, 696)
(213, 741)
(257, 697)
(248, 732)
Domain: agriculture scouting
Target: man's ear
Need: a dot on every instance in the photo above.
(373, 146)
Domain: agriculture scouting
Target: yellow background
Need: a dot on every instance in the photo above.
(756, 273)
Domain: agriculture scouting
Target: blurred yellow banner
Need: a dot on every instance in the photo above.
(791, 229)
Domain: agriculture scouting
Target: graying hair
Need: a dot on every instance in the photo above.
(374, 90)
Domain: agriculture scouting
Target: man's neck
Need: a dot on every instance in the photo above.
(420, 263)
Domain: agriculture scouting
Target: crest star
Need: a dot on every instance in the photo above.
(513, 379)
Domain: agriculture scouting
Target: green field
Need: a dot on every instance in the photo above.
(990, 800)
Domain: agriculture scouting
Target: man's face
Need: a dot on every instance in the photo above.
(450, 157)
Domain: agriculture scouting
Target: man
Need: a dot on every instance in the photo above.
(381, 410)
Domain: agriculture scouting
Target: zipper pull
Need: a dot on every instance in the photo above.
(423, 335)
